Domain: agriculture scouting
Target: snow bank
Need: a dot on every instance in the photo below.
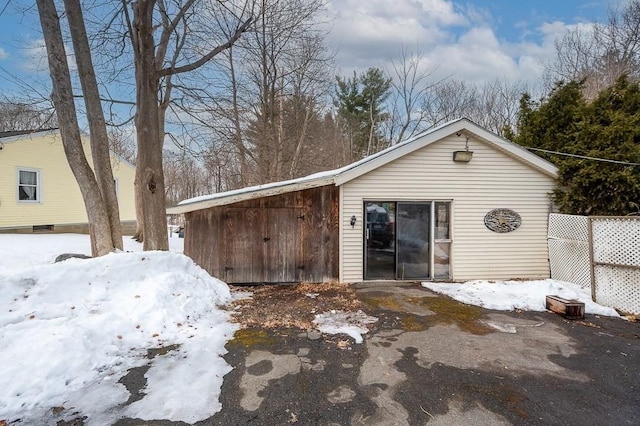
(510, 295)
(70, 331)
(23, 250)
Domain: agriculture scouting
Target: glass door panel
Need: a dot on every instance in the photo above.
(442, 245)
(380, 256)
(441, 263)
(413, 240)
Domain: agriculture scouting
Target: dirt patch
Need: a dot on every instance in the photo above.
(273, 306)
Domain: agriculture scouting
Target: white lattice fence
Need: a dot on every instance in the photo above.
(616, 262)
(569, 249)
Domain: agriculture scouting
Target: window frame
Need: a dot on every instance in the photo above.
(38, 185)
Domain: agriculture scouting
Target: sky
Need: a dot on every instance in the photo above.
(474, 40)
(96, 318)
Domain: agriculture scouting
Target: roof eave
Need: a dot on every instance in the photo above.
(249, 195)
(31, 135)
(434, 135)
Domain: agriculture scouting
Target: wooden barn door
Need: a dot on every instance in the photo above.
(282, 245)
(243, 243)
(262, 245)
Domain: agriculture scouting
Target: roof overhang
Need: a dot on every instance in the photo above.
(250, 193)
(30, 135)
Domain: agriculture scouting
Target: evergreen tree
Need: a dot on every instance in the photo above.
(606, 128)
(360, 102)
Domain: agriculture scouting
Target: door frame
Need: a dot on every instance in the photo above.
(432, 236)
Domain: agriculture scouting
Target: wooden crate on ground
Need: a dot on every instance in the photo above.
(570, 309)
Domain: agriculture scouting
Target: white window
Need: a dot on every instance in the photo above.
(29, 188)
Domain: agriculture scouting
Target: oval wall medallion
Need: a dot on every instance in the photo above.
(502, 220)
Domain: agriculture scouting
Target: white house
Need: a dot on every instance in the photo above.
(455, 203)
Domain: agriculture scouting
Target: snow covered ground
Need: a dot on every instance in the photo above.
(511, 295)
(70, 331)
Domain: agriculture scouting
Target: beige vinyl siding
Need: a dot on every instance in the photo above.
(491, 180)
(60, 201)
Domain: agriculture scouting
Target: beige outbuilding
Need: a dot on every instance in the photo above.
(38, 191)
(455, 203)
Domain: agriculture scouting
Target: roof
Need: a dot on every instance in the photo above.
(18, 135)
(352, 171)
(15, 135)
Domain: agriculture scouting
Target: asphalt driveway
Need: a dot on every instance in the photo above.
(431, 360)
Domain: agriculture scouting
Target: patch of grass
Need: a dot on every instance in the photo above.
(445, 311)
(251, 337)
(382, 300)
(449, 311)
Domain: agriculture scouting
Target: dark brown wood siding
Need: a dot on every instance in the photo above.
(284, 238)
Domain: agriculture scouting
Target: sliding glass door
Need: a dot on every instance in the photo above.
(413, 240)
(406, 240)
(380, 240)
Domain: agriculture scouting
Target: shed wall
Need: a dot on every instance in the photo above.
(492, 179)
(290, 237)
(61, 201)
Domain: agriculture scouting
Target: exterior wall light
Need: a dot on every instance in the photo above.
(353, 221)
(463, 156)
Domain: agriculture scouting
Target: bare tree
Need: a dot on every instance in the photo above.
(493, 105)
(95, 116)
(601, 52)
(121, 144)
(158, 33)
(17, 115)
(97, 212)
(411, 84)
(286, 75)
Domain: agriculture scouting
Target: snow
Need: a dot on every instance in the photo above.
(353, 324)
(256, 188)
(20, 250)
(70, 331)
(524, 295)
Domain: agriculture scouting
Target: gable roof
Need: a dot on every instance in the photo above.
(352, 171)
(18, 135)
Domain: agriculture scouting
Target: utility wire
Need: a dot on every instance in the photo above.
(604, 160)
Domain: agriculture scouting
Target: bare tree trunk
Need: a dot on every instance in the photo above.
(95, 116)
(137, 186)
(101, 240)
(301, 138)
(149, 174)
(237, 129)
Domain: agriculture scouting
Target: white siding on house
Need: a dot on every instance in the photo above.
(491, 180)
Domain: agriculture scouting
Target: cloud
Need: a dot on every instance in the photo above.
(35, 57)
(3, 53)
(455, 40)
(366, 32)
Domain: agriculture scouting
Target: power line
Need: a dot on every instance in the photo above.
(604, 160)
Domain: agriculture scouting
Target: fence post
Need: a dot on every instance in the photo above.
(591, 260)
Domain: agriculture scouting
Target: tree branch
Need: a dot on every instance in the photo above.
(206, 58)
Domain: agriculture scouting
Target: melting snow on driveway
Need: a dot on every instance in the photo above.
(70, 331)
(353, 324)
(510, 295)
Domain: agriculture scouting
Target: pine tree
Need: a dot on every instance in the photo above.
(360, 102)
(606, 128)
